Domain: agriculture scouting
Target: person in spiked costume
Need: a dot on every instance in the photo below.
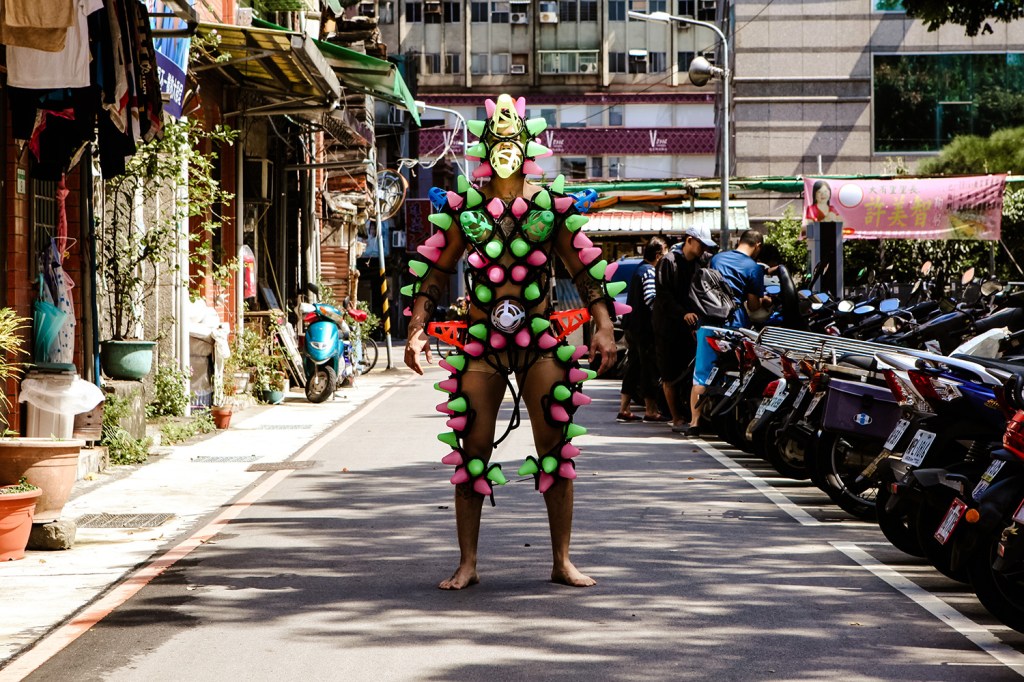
(511, 230)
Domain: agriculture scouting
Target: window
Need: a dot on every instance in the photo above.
(922, 101)
(657, 61)
(684, 59)
(551, 116)
(452, 12)
(615, 115)
(431, 63)
(479, 63)
(617, 62)
(657, 5)
(567, 10)
(588, 10)
(453, 63)
(574, 168)
(686, 8)
(614, 167)
(520, 63)
(596, 167)
(638, 63)
(367, 9)
(413, 12)
(638, 5)
(520, 12)
(616, 10)
(500, 62)
(706, 10)
(481, 113)
(432, 13)
(568, 62)
(888, 6)
(595, 116)
(386, 12)
(44, 220)
(500, 12)
(478, 12)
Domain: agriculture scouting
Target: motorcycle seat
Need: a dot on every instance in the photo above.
(1009, 367)
(865, 362)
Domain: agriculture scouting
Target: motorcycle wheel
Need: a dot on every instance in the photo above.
(839, 460)
(927, 521)
(897, 526)
(321, 385)
(1001, 593)
(785, 453)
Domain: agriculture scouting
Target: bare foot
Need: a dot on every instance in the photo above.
(463, 577)
(570, 575)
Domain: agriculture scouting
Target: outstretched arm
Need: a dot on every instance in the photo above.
(431, 285)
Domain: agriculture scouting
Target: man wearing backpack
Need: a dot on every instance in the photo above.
(743, 276)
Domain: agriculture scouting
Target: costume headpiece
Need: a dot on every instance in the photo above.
(507, 139)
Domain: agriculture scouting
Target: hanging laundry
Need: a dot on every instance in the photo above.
(38, 25)
(69, 68)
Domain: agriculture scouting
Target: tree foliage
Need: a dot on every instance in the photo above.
(1002, 152)
(973, 15)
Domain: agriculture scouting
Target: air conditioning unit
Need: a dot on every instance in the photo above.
(519, 18)
(517, 69)
(548, 17)
(433, 8)
(588, 68)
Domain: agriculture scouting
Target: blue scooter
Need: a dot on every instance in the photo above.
(326, 352)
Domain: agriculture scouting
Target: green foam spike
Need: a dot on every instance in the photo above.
(535, 149)
(575, 222)
(479, 330)
(573, 430)
(495, 476)
(476, 127)
(442, 220)
(473, 198)
(483, 294)
(615, 288)
(479, 150)
(549, 464)
(543, 199)
(529, 467)
(598, 268)
(519, 247)
(564, 353)
(456, 361)
(407, 290)
(561, 393)
(475, 467)
(534, 126)
(458, 404)
(462, 183)
(532, 292)
(419, 267)
(449, 439)
(539, 324)
(559, 184)
(494, 248)
(591, 374)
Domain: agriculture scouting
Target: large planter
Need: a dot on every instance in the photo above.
(16, 523)
(50, 464)
(130, 360)
(272, 396)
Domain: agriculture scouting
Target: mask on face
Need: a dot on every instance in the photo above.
(506, 158)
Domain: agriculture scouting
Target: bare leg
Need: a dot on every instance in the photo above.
(695, 395)
(483, 391)
(624, 404)
(672, 398)
(559, 497)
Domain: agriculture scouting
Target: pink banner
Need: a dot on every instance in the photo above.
(911, 208)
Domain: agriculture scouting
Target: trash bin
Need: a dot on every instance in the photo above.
(54, 400)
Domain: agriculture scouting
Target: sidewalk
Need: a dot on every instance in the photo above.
(188, 483)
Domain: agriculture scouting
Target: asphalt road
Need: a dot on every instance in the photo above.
(708, 568)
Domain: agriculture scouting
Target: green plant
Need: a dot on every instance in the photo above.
(361, 330)
(170, 393)
(785, 235)
(11, 341)
(122, 447)
(180, 430)
(23, 486)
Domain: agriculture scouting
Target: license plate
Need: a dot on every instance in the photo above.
(800, 395)
(986, 478)
(746, 380)
(780, 397)
(732, 387)
(712, 375)
(948, 525)
(918, 448)
(814, 403)
(762, 407)
(897, 433)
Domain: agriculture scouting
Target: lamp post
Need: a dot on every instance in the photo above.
(701, 71)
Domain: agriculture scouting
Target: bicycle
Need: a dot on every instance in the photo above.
(368, 353)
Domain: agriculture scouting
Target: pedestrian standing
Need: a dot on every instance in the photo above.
(641, 379)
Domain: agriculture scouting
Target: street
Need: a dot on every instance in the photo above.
(709, 567)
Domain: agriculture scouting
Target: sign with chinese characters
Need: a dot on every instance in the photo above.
(969, 207)
(595, 141)
(171, 58)
(417, 228)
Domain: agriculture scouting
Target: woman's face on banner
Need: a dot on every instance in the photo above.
(823, 194)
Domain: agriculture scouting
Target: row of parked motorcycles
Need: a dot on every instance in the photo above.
(909, 413)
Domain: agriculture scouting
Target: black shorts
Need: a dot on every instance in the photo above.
(641, 376)
(674, 348)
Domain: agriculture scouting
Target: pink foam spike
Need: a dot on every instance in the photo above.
(521, 107)
(477, 260)
(482, 486)
(460, 476)
(470, 157)
(582, 241)
(407, 312)
(567, 471)
(454, 200)
(577, 375)
(449, 385)
(484, 170)
(562, 204)
(590, 254)
(558, 413)
(530, 167)
(498, 341)
(474, 349)
(569, 451)
(519, 273)
(453, 458)
(438, 240)
(610, 269)
(546, 481)
(490, 106)
(428, 252)
(579, 399)
(523, 338)
(622, 308)
(496, 274)
(457, 423)
(446, 367)
(519, 207)
(444, 409)
(537, 258)
(496, 207)
(579, 353)
(546, 341)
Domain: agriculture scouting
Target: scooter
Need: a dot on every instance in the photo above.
(325, 356)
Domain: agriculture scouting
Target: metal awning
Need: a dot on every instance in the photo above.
(634, 223)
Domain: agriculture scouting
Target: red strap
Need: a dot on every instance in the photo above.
(449, 332)
(568, 321)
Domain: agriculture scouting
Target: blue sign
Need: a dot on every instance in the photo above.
(171, 57)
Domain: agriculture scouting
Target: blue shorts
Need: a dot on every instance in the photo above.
(705, 359)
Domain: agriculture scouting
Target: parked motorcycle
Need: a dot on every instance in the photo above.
(326, 355)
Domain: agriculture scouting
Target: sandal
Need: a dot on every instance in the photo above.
(687, 430)
(627, 417)
(657, 418)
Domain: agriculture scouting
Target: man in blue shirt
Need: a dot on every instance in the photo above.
(745, 277)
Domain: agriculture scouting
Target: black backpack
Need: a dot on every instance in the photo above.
(712, 295)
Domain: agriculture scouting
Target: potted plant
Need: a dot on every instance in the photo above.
(225, 388)
(17, 506)
(269, 378)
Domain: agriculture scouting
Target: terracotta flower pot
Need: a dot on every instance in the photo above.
(221, 417)
(50, 464)
(16, 512)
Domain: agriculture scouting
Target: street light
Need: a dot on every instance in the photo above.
(701, 71)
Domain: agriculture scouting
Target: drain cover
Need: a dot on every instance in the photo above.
(206, 458)
(276, 427)
(278, 466)
(122, 520)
